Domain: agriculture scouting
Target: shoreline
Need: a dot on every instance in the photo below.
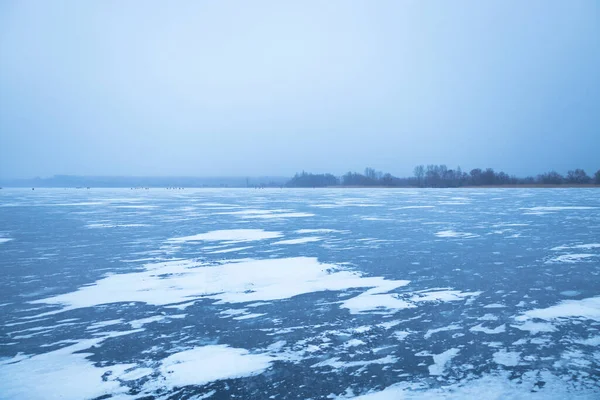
(527, 186)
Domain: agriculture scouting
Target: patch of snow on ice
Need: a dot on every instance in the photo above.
(589, 246)
(299, 240)
(354, 343)
(442, 329)
(440, 361)
(454, 234)
(233, 282)
(497, 385)
(507, 358)
(535, 327)
(592, 341)
(443, 295)
(230, 250)
(378, 300)
(586, 308)
(570, 258)
(207, 364)
(559, 208)
(249, 316)
(233, 235)
(481, 328)
(494, 305)
(43, 376)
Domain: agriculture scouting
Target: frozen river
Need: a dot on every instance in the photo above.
(299, 294)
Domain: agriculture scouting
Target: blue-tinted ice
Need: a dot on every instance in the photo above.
(296, 294)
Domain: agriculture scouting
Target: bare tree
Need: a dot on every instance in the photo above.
(419, 172)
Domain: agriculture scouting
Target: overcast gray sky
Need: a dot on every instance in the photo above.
(273, 87)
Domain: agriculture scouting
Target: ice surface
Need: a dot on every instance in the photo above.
(559, 208)
(489, 331)
(266, 214)
(114, 225)
(410, 207)
(233, 235)
(454, 234)
(354, 343)
(353, 314)
(205, 364)
(442, 329)
(440, 361)
(496, 386)
(592, 341)
(535, 327)
(507, 358)
(588, 246)
(570, 258)
(249, 316)
(299, 240)
(49, 370)
(310, 231)
(443, 295)
(586, 308)
(234, 282)
(230, 250)
(337, 364)
(378, 300)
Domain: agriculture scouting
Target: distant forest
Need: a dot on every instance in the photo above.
(440, 176)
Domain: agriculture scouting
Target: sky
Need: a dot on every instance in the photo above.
(238, 88)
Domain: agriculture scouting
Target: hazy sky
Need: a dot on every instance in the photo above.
(273, 87)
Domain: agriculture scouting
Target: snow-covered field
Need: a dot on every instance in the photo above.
(300, 294)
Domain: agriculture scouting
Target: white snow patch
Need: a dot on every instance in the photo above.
(488, 317)
(497, 385)
(102, 324)
(559, 208)
(586, 308)
(588, 246)
(299, 240)
(401, 335)
(249, 316)
(592, 341)
(43, 376)
(443, 295)
(496, 330)
(535, 327)
(233, 235)
(494, 305)
(229, 250)
(354, 343)
(206, 364)
(440, 361)
(507, 358)
(454, 234)
(233, 282)
(135, 374)
(442, 329)
(138, 323)
(570, 258)
(378, 300)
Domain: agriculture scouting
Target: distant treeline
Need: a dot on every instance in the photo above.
(441, 176)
